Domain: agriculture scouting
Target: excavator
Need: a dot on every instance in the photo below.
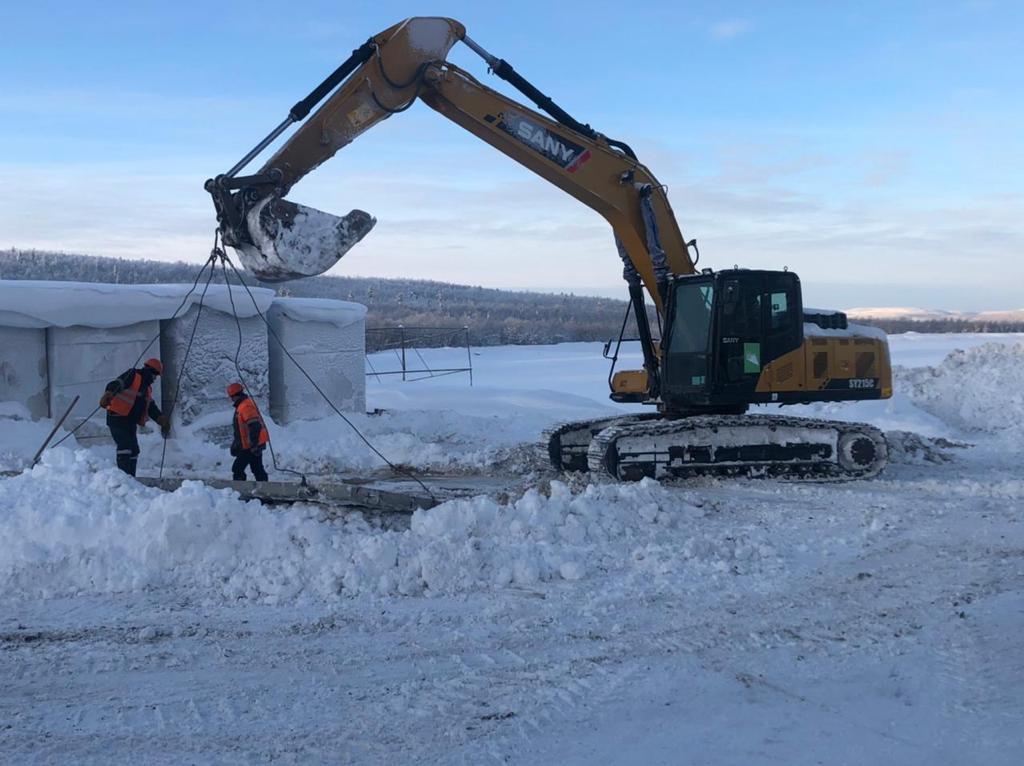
(726, 340)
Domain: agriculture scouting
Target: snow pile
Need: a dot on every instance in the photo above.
(980, 389)
(20, 436)
(68, 529)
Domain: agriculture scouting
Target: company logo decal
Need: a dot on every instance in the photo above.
(560, 150)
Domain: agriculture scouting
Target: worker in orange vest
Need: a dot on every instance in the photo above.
(250, 436)
(128, 401)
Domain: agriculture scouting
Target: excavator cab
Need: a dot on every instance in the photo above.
(738, 337)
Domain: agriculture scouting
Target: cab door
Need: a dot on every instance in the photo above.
(740, 335)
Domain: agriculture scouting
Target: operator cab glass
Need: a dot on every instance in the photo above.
(688, 351)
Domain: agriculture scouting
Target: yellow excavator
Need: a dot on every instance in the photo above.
(728, 339)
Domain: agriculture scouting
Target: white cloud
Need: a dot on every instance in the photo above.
(729, 30)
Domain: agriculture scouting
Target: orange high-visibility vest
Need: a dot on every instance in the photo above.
(124, 399)
(245, 413)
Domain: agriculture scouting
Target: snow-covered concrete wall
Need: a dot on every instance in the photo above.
(77, 336)
(82, 360)
(59, 339)
(328, 338)
(23, 369)
(210, 366)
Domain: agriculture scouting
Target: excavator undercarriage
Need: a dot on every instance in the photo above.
(795, 449)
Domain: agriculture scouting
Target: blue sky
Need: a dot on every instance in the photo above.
(875, 148)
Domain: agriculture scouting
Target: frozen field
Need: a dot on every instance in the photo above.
(709, 622)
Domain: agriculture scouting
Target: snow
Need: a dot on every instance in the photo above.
(74, 527)
(338, 313)
(431, 38)
(978, 390)
(547, 621)
(64, 304)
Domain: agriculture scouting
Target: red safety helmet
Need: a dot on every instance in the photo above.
(235, 389)
(155, 365)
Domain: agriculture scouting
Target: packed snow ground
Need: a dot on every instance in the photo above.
(706, 622)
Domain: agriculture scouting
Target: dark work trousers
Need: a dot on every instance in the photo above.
(251, 459)
(125, 433)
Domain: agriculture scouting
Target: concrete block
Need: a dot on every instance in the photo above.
(23, 376)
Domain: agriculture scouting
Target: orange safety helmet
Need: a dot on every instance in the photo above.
(155, 365)
(235, 389)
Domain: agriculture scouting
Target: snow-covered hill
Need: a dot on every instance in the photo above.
(551, 621)
(922, 315)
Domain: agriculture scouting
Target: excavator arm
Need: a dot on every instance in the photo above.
(279, 240)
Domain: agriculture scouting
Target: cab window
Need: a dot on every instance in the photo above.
(780, 317)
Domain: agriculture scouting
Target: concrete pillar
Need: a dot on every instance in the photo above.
(328, 338)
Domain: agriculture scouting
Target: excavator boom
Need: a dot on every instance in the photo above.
(279, 240)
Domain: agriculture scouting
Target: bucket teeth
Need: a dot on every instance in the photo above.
(292, 241)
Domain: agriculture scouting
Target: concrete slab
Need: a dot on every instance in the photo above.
(331, 494)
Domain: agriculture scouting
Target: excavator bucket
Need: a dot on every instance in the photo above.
(291, 241)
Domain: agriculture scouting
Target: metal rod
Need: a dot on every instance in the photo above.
(402, 329)
(492, 61)
(424, 369)
(59, 424)
(260, 146)
(469, 357)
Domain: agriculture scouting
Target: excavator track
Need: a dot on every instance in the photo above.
(565, 445)
(796, 449)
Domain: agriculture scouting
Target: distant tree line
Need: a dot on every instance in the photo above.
(494, 317)
(944, 325)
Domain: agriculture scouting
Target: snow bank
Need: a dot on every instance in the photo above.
(63, 304)
(68, 529)
(980, 389)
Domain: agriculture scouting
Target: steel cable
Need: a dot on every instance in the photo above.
(238, 370)
(320, 391)
(149, 345)
(184, 360)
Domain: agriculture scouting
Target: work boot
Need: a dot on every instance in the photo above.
(126, 462)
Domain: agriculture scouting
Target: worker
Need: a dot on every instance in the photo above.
(128, 401)
(250, 436)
